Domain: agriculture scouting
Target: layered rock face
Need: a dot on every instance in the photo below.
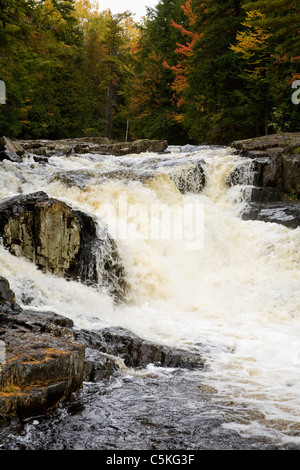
(94, 145)
(40, 364)
(10, 151)
(61, 240)
(275, 167)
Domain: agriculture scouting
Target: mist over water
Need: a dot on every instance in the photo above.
(236, 298)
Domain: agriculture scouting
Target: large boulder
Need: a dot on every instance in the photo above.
(10, 150)
(41, 363)
(283, 213)
(7, 297)
(288, 141)
(62, 241)
(137, 352)
(274, 164)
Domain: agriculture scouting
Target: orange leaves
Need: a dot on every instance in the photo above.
(188, 11)
(181, 69)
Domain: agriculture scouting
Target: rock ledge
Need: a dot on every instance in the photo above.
(274, 161)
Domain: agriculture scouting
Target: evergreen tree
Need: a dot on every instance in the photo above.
(57, 102)
(15, 57)
(213, 109)
(268, 46)
(150, 99)
(40, 51)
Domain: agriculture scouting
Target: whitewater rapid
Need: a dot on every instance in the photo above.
(235, 297)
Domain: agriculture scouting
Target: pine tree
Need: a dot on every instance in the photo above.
(213, 108)
(268, 45)
(151, 104)
(15, 55)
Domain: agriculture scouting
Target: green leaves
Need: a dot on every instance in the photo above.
(208, 71)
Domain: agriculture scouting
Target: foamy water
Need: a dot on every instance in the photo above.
(236, 297)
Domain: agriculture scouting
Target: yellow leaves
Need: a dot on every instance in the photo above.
(253, 15)
(51, 14)
(253, 40)
(253, 44)
(86, 9)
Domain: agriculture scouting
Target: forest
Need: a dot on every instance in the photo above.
(189, 71)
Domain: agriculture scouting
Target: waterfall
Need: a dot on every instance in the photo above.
(229, 285)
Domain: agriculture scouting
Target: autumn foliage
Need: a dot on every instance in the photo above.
(191, 70)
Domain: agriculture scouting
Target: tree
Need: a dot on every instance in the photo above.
(184, 52)
(15, 52)
(40, 60)
(150, 100)
(56, 105)
(212, 108)
(268, 46)
(114, 40)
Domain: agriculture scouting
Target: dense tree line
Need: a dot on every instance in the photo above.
(62, 62)
(200, 71)
(233, 65)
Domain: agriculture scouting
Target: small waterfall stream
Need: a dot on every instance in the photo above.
(200, 279)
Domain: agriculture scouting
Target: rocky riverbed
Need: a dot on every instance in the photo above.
(47, 360)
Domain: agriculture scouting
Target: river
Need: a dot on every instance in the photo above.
(201, 279)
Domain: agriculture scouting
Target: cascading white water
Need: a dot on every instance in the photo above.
(236, 297)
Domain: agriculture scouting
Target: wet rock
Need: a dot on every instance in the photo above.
(43, 149)
(275, 163)
(99, 367)
(284, 213)
(96, 145)
(187, 175)
(261, 172)
(61, 241)
(46, 359)
(137, 352)
(6, 294)
(287, 141)
(83, 178)
(38, 373)
(40, 159)
(291, 174)
(242, 174)
(7, 297)
(256, 194)
(41, 363)
(10, 151)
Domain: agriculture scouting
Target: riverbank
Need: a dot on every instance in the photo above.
(275, 165)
